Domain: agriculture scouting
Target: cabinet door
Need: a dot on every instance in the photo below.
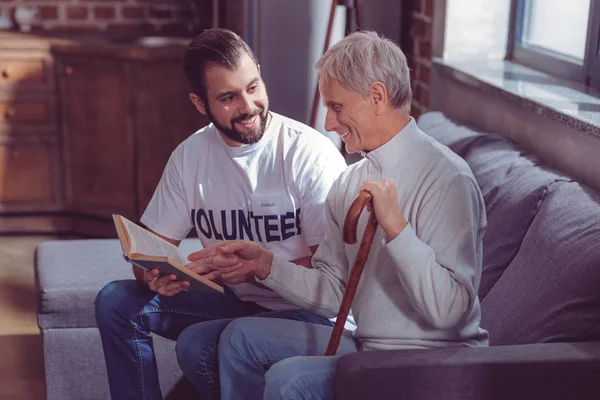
(28, 175)
(164, 117)
(98, 139)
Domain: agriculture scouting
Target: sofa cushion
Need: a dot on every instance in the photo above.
(458, 138)
(551, 290)
(513, 184)
(70, 273)
(76, 370)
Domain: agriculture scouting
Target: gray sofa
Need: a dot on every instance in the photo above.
(540, 297)
(539, 293)
(69, 274)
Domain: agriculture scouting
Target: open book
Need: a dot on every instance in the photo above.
(148, 251)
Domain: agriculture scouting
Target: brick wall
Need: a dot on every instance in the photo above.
(419, 53)
(115, 16)
(175, 17)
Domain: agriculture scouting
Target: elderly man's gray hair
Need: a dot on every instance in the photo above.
(363, 58)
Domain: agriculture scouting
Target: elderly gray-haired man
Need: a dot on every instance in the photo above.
(419, 286)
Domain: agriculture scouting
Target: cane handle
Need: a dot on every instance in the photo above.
(351, 222)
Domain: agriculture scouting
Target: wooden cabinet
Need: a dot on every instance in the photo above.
(30, 179)
(28, 168)
(28, 114)
(26, 68)
(97, 147)
(163, 117)
(122, 118)
(86, 129)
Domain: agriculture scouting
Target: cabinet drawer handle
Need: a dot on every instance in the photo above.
(5, 73)
(10, 114)
(69, 70)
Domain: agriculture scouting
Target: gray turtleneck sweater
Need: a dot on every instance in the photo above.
(419, 289)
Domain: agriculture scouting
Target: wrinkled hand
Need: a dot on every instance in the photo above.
(240, 260)
(167, 285)
(202, 262)
(386, 207)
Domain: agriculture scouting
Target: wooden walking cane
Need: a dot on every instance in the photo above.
(350, 225)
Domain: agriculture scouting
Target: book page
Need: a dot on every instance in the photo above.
(145, 242)
(122, 234)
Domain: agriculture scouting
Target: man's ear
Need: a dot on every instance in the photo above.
(198, 103)
(379, 97)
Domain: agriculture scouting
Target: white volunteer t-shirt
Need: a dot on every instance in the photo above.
(272, 192)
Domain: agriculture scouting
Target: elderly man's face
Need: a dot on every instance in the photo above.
(349, 114)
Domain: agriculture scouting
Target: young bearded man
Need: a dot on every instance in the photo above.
(251, 174)
(419, 285)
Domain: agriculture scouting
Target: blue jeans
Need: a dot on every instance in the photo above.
(199, 362)
(126, 313)
(251, 351)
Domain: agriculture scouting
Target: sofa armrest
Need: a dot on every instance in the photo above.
(536, 371)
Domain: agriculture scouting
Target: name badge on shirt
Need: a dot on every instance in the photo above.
(268, 204)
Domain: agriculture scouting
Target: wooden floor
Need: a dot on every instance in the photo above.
(21, 361)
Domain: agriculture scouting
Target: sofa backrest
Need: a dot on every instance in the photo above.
(541, 251)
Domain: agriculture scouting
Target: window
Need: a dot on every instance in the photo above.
(558, 37)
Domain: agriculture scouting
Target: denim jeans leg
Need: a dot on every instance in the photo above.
(300, 378)
(197, 350)
(248, 347)
(295, 315)
(126, 314)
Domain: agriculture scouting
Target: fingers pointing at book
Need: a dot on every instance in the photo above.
(231, 262)
(241, 260)
(201, 262)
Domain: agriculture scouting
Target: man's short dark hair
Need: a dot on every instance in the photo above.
(212, 47)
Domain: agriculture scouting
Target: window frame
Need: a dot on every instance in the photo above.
(551, 62)
(593, 51)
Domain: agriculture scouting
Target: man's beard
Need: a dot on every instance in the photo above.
(249, 136)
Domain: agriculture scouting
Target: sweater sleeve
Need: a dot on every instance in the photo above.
(439, 265)
(321, 288)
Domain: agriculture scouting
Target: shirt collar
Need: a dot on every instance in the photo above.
(397, 150)
(246, 149)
